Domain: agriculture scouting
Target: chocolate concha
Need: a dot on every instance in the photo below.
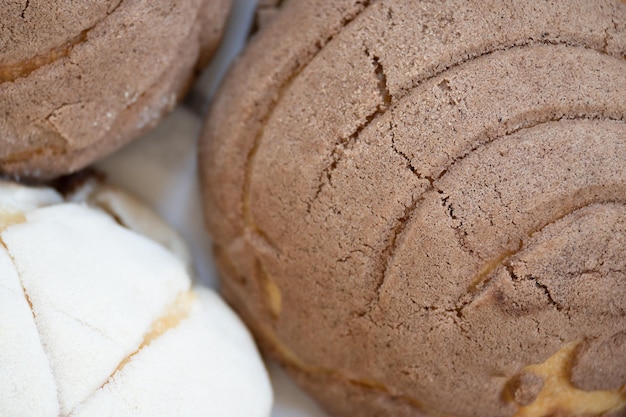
(80, 79)
(419, 206)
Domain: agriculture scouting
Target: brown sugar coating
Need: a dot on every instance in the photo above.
(420, 206)
(80, 79)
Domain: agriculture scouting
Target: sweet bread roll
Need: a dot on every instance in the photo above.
(80, 79)
(420, 206)
(99, 319)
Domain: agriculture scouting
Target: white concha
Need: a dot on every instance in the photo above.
(98, 320)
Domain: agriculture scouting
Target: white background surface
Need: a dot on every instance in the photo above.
(161, 169)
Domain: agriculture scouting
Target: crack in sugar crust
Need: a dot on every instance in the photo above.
(480, 284)
(280, 90)
(481, 280)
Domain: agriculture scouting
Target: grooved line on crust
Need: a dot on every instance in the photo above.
(390, 101)
(343, 143)
(177, 312)
(391, 248)
(282, 89)
(30, 304)
(11, 72)
(480, 281)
